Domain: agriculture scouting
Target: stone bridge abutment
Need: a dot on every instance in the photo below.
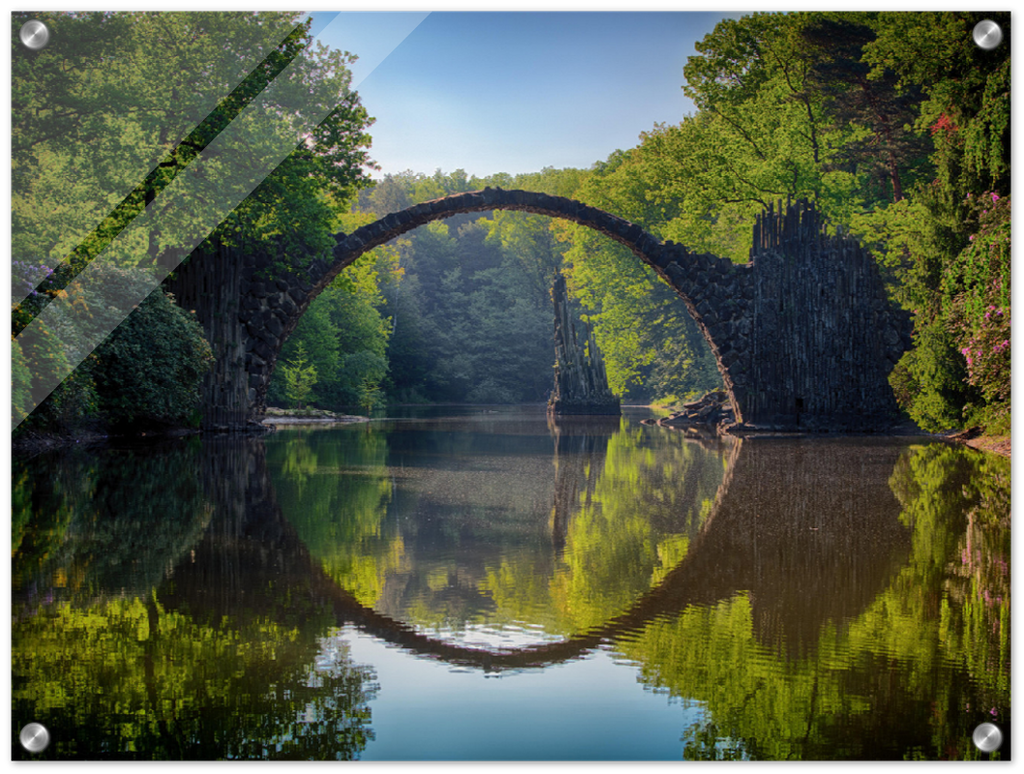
(803, 334)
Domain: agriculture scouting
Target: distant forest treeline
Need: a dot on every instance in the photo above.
(896, 124)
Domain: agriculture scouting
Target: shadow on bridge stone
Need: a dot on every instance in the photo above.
(809, 531)
(803, 334)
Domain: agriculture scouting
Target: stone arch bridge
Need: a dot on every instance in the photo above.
(803, 334)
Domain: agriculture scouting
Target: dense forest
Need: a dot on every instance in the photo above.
(896, 124)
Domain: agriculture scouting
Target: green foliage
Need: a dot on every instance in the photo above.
(362, 374)
(73, 402)
(929, 380)
(65, 409)
(371, 396)
(471, 315)
(146, 374)
(651, 346)
(21, 383)
(947, 246)
(315, 343)
(150, 369)
(529, 240)
(345, 336)
(35, 361)
(976, 290)
(952, 262)
(125, 112)
(967, 88)
(299, 377)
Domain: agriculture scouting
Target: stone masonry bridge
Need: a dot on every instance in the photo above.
(803, 334)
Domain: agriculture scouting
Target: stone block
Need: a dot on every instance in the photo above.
(262, 349)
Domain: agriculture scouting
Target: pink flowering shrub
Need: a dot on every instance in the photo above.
(987, 352)
(977, 290)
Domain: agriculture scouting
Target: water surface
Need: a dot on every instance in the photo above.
(486, 584)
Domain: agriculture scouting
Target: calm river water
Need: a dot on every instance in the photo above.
(488, 585)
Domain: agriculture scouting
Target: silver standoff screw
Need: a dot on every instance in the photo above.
(35, 34)
(34, 737)
(987, 737)
(987, 34)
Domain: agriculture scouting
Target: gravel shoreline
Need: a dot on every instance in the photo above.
(279, 416)
(342, 419)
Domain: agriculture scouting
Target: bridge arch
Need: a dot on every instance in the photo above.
(803, 334)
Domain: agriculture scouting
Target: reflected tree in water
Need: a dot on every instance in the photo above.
(922, 664)
(121, 643)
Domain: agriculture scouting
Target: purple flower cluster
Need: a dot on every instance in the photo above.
(26, 277)
(987, 351)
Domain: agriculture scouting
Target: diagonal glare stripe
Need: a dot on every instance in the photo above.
(34, 262)
(187, 143)
(185, 213)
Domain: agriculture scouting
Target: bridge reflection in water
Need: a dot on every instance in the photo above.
(821, 551)
(417, 535)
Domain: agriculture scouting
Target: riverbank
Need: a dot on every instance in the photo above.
(698, 429)
(32, 442)
(278, 416)
(995, 444)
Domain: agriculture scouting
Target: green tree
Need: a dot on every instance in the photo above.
(315, 340)
(122, 101)
(967, 89)
(145, 375)
(885, 147)
(134, 98)
(531, 241)
(150, 369)
(651, 345)
(947, 245)
(300, 378)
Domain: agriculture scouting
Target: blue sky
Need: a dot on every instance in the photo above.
(516, 92)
